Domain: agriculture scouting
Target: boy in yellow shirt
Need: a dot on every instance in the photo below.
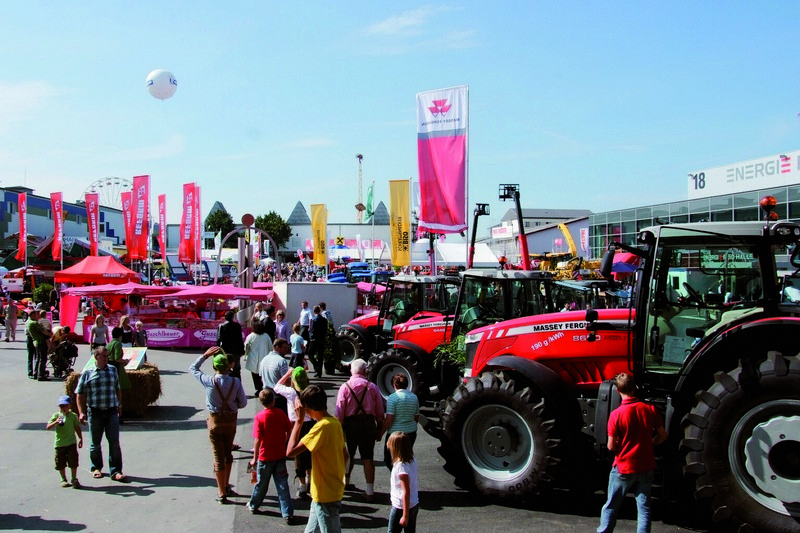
(325, 441)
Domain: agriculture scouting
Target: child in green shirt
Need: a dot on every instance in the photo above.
(67, 426)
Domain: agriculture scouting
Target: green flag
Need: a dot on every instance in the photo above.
(369, 201)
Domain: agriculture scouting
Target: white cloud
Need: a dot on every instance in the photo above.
(420, 29)
(405, 24)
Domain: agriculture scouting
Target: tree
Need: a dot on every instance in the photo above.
(276, 227)
(220, 221)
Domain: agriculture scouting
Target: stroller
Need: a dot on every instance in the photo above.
(63, 358)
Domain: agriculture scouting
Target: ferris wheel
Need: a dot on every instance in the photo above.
(108, 190)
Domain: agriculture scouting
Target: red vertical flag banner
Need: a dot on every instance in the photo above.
(93, 220)
(162, 226)
(127, 219)
(22, 252)
(197, 225)
(442, 135)
(186, 252)
(57, 206)
(141, 205)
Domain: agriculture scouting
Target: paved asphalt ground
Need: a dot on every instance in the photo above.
(167, 459)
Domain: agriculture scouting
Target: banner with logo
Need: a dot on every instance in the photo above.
(442, 131)
(127, 218)
(22, 252)
(162, 226)
(400, 222)
(57, 207)
(197, 225)
(319, 231)
(93, 221)
(141, 206)
(186, 251)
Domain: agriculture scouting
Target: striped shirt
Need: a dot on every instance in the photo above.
(100, 387)
(404, 405)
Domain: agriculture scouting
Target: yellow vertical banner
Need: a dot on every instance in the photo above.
(400, 221)
(319, 229)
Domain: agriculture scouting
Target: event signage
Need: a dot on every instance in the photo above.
(442, 136)
(127, 219)
(22, 251)
(197, 224)
(765, 173)
(140, 197)
(93, 220)
(186, 251)
(162, 226)
(319, 232)
(57, 207)
(399, 222)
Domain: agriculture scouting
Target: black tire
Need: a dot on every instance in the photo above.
(351, 346)
(504, 433)
(382, 368)
(743, 438)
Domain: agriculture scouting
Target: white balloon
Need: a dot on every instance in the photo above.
(161, 84)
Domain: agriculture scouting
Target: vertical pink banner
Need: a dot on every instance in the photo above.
(162, 226)
(22, 251)
(139, 231)
(93, 221)
(442, 134)
(57, 207)
(127, 219)
(186, 251)
(197, 225)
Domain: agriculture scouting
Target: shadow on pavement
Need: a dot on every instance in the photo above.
(36, 523)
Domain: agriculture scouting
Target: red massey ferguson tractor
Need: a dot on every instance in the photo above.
(712, 339)
(484, 297)
(407, 298)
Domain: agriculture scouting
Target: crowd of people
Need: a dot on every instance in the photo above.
(295, 421)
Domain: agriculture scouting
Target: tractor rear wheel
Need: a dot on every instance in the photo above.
(743, 438)
(351, 346)
(383, 367)
(504, 433)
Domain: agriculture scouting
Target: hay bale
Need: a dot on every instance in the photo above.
(145, 390)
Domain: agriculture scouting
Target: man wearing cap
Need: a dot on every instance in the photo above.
(99, 400)
(224, 397)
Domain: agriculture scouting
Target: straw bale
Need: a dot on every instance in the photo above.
(145, 390)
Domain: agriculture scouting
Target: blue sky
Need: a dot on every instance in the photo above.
(589, 105)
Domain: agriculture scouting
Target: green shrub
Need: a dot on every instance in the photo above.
(42, 293)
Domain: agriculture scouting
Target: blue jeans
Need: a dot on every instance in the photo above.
(324, 518)
(105, 421)
(618, 486)
(394, 520)
(276, 470)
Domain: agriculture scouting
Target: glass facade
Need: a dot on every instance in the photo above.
(623, 225)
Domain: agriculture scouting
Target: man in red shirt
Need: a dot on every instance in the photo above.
(634, 428)
(271, 430)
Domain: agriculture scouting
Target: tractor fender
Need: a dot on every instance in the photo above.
(421, 356)
(358, 328)
(548, 383)
(747, 341)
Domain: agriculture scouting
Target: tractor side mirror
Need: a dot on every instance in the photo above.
(608, 262)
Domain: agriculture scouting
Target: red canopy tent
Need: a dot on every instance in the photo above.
(93, 269)
(96, 269)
